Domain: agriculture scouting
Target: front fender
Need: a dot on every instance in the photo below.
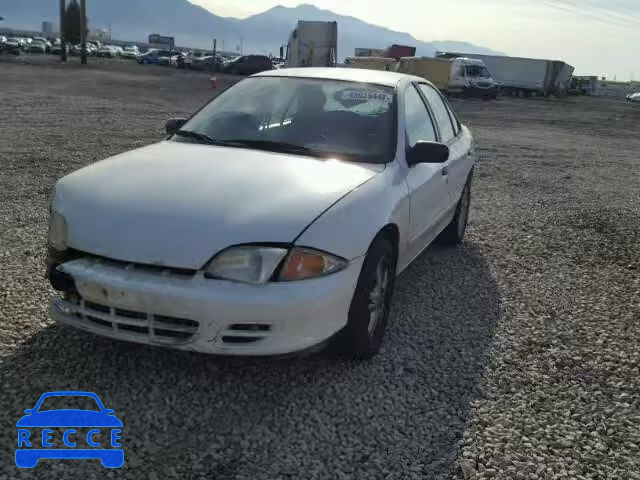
(349, 226)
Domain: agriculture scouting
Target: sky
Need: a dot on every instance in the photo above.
(598, 37)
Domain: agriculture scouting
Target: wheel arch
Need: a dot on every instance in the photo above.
(391, 232)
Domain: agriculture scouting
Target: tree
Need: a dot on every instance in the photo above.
(71, 23)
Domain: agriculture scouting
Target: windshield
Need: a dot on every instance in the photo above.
(476, 71)
(340, 119)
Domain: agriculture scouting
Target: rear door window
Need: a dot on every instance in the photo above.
(440, 112)
(418, 124)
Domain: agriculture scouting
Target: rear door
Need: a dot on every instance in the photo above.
(450, 133)
(427, 184)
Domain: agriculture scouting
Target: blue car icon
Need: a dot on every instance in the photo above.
(89, 432)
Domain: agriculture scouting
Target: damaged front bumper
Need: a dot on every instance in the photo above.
(190, 312)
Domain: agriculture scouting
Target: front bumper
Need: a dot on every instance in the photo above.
(199, 314)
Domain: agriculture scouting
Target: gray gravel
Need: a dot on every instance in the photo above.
(514, 356)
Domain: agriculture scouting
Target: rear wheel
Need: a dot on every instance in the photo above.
(369, 310)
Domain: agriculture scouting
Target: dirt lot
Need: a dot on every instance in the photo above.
(514, 356)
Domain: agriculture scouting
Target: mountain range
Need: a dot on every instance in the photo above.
(194, 26)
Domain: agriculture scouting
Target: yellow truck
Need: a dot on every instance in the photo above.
(436, 70)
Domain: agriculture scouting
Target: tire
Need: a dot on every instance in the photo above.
(369, 310)
(453, 234)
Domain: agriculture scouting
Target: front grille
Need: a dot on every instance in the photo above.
(154, 327)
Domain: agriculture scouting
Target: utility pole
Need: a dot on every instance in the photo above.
(63, 42)
(241, 39)
(214, 65)
(83, 32)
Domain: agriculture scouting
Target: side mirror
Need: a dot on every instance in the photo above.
(29, 411)
(174, 124)
(427, 152)
(109, 411)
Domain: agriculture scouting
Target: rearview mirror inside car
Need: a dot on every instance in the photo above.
(427, 152)
(174, 124)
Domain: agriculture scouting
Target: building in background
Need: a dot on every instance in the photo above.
(49, 29)
(159, 41)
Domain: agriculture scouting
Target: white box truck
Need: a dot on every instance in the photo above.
(313, 44)
(525, 76)
(464, 77)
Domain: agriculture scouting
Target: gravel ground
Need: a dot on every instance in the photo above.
(513, 356)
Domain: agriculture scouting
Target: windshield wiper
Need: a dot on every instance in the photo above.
(269, 145)
(199, 136)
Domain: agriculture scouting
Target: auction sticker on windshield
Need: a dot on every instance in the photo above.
(367, 95)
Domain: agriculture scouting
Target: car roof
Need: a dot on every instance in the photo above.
(361, 75)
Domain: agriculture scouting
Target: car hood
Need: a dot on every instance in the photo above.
(69, 418)
(176, 204)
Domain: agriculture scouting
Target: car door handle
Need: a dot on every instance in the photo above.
(445, 171)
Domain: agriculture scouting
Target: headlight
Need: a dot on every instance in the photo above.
(306, 263)
(250, 264)
(57, 231)
(257, 264)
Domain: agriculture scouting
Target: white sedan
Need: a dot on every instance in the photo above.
(633, 97)
(274, 220)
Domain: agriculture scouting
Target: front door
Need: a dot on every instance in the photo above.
(427, 182)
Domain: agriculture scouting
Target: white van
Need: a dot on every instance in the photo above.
(470, 77)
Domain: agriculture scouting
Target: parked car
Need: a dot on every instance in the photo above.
(109, 51)
(274, 220)
(3, 39)
(155, 56)
(36, 47)
(190, 57)
(131, 52)
(75, 50)
(248, 65)
(208, 63)
(46, 42)
(177, 58)
(12, 46)
(56, 49)
(633, 97)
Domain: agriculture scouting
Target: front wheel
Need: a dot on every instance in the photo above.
(369, 310)
(453, 234)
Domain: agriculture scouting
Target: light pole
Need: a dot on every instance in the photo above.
(83, 32)
(63, 42)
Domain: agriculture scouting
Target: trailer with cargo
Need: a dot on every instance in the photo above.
(523, 76)
(396, 51)
(436, 70)
(371, 63)
(313, 44)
